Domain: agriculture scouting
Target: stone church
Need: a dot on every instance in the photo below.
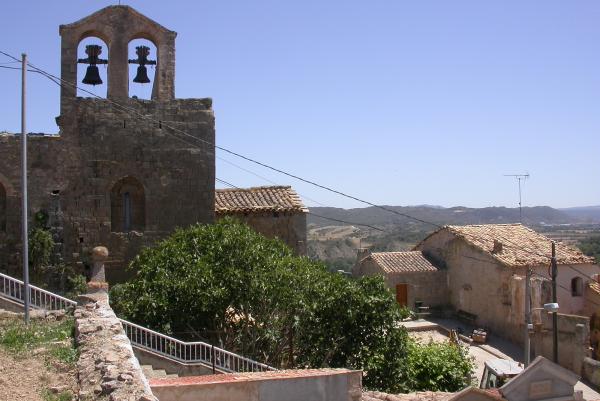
(125, 172)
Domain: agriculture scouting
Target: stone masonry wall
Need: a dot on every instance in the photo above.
(97, 147)
(288, 227)
(163, 147)
(107, 368)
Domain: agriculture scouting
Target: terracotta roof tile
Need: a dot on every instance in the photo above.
(402, 262)
(258, 199)
(520, 246)
(594, 286)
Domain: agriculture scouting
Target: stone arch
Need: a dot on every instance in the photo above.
(127, 205)
(138, 90)
(92, 38)
(3, 208)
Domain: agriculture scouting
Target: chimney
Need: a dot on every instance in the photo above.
(497, 246)
(362, 253)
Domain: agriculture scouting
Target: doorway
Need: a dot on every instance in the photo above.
(402, 294)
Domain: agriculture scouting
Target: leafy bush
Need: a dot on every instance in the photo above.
(41, 246)
(226, 284)
(438, 366)
(229, 285)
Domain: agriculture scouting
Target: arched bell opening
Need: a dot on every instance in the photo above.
(92, 71)
(127, 206)
(142, 68)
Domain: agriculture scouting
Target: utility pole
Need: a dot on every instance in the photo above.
(24, 208)
(554, 314)
(519, 177)
(527, 316)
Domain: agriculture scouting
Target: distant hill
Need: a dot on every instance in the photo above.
(334, 242)
(590, 214)
(440, 216)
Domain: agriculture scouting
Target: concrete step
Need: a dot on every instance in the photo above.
(152, 373)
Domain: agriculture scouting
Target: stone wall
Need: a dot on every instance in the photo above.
(107, 368)
(288, 227)
(573, 340)
(479, 285)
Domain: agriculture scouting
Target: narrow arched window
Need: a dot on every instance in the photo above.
(127, 206)
(2, 208)
(576, 287)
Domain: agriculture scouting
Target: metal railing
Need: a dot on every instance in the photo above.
(190, 352)
(139, 336)
(39, 298)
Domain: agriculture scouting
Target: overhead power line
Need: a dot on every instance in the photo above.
(59, 81)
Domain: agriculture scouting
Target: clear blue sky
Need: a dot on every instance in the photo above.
(398, 102)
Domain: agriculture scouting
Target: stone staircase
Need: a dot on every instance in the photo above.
(152, 373)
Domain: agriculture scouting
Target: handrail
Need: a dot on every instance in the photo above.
(13, 289)
(190, 352)
(139, 336)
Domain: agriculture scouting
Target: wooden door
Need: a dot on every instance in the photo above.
(402, 294)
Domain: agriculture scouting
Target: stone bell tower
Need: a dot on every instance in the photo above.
(123, 172)
(117, 26)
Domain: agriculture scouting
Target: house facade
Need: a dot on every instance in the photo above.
(410, 275)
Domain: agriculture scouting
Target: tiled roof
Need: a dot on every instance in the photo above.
(594, 286)
(402, 262)
(258, 199)
(520, 246)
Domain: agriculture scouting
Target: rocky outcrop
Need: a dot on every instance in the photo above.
(107, 368)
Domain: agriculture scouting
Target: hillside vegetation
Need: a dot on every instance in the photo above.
(336, 243)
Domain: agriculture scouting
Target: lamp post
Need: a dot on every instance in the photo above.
(24, 227)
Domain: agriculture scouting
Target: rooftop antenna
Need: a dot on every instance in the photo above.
(519, 177)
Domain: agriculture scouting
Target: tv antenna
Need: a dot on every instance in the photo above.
(519, 177)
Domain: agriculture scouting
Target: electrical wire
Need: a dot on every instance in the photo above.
(61, 82)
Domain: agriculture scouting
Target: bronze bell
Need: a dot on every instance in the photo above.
(92, 76)
(142, 75)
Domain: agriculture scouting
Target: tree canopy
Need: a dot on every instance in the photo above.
(226, 284)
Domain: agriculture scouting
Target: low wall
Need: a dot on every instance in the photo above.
(107, 368)
(591, 371)
(573, 340)
(289, 385)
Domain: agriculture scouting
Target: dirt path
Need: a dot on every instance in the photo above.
(29, 375)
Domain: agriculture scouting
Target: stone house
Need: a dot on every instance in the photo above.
(411, 275)
(122, 172)
(486, 267)
(479, 271)
(274, 211)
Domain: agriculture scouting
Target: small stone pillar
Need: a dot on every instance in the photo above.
(98, 279)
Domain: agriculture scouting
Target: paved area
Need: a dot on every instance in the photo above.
(494, 348)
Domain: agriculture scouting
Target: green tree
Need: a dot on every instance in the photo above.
(591, 247)
(229, 285)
